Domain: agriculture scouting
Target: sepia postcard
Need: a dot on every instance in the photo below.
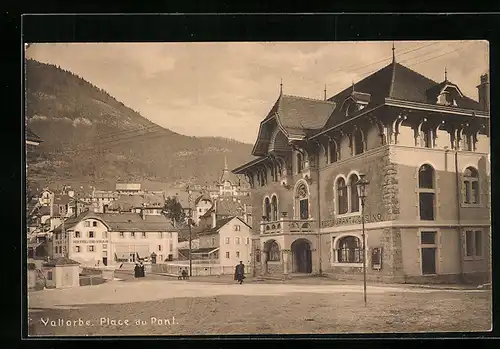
(183, 189)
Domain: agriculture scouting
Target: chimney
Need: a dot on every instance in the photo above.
(483, 90)
(214, 215)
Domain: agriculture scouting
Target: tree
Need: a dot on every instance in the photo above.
(173, 210)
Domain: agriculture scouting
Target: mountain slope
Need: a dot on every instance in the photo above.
(90, 136)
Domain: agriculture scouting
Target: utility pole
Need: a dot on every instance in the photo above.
(362, 184)
(190, 233)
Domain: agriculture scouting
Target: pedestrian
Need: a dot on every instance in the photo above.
(137, 270)
(143, 274)
(239, 273)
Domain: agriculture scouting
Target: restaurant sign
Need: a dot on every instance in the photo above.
(369, 218)
(78, 241)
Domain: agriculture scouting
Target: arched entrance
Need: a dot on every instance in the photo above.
(272, 253)
(301, 256)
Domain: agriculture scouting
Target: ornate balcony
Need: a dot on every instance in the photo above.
(287, 226)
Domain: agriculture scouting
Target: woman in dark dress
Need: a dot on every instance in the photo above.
(143, 274)
(137, 270)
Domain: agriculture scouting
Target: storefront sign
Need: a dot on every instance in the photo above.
(377, 258)
(369, 218)
(90, 241)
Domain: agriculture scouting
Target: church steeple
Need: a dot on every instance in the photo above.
(445, 74)
(325, 93)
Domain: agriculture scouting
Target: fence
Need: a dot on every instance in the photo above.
(198, 269)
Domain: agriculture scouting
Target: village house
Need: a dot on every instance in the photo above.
(424, 148)
(225, 243)
(113, 238)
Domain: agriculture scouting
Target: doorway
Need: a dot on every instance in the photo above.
(429, 261)
(105, 261)
(301, 256)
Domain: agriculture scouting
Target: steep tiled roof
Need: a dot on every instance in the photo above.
(61, 261)
(204, 196)
(226, 206)
(123, 222)
(393, 81)
(128, 202)
(32, 136)
(62, 199)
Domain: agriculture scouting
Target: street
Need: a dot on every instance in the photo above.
(134, 307)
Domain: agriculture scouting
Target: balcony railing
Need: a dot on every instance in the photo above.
(286, 225)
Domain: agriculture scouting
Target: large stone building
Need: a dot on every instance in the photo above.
(424, 148)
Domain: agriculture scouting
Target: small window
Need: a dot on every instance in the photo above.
(470, 186)
(144, 235)
(104, 253)
(91, 234)
(159, 247)
(49, 275)
(94, 224)
(237, 254)
(77, 249)
(104, 234)
(237, 227)
(122, 235)
(227, 255)
(91, 248)
(237, 240)
(86, 224)
(77, 234)
(247, 240)
(226, 240)
(473, 243)
(132, 234)
(213, 241)
(428, 238)
(104, 246)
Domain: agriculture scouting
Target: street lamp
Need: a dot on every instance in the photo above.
(362, 184)
(190, 231)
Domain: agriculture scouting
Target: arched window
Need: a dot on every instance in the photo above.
(426, 192)
(267, 209)
(350, 250)
(470, 190)
(274, 252)
(302, 197)
(332, 150)
(358, 142)
(353, 179)
(274, 208)
(342, 196)
(300, 163)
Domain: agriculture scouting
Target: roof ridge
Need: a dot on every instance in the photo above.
(310, 99)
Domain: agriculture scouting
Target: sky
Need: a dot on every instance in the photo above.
(227, 89)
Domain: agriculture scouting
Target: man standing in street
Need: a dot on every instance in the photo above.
(239, 273)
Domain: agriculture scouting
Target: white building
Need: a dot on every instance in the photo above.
(226, 243)
(113, 238)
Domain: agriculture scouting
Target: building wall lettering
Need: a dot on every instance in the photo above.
(369, 218)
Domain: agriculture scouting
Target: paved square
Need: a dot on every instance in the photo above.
(156, 307)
